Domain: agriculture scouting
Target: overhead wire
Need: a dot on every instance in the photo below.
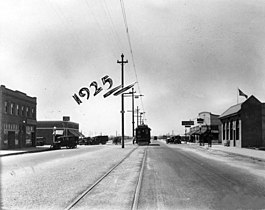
(130, 46)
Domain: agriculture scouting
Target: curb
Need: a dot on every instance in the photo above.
(25, 152)
(234, 153)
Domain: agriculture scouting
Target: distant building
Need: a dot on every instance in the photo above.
(243, 125)
(48, 129)
(209, 122)
(18, 119)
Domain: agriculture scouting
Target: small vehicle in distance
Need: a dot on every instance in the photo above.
(85, 141)
(69, 142)
(174, 140)
(40, 141)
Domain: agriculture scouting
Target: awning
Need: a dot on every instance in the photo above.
(75, 133)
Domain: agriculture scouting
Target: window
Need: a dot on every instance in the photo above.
(17, 110)
(12, 109)
(6, 107)
(237, 129)
(22, 111)
(224, 131)
(227, 130)
(27, 111)
(231, 130)
(33, 112)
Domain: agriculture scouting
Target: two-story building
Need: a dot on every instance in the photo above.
(18, 119)
(209, 122)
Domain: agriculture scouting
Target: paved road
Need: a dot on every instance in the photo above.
(178, 179)
(174, 178)
(51, 180)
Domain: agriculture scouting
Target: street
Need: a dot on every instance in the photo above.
(175, 176)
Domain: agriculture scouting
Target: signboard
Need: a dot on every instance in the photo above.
(187, 123)
(200, 120)
(66, 118)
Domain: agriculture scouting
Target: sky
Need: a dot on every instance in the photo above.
(186, 56)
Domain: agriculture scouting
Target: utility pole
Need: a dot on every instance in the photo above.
(137, 115)
(131, 95)
(122, 62)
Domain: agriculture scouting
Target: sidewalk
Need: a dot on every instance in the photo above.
(252, 153)
(24, 150)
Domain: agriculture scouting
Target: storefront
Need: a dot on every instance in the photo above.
(18, 119)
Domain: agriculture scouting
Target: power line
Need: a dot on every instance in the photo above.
(130, 46)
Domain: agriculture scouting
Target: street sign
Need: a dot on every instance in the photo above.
(200, 120)
(189, 123)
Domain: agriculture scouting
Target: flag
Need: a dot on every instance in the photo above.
(241, 93)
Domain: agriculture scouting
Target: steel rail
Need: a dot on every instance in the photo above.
(139, 183)
(76, 200)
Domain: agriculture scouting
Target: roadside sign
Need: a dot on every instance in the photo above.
(187, 123)
(200, 120)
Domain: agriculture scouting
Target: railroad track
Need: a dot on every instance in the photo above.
(89, 190)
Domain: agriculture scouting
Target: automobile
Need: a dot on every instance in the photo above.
(174, 140)
(155, 137)
(85, 141)
(177, 139)
(170, 140)
(40, 141)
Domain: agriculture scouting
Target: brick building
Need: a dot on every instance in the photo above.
(243, 125)
(47, 129)
(17, 118)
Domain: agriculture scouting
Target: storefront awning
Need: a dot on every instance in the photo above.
(75, 133)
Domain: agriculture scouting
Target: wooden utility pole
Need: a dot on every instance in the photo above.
(122, 62)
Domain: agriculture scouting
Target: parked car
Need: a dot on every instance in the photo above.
(85, 141)
(170, 140)
(40, 141)
(177, 139)
(174, 140)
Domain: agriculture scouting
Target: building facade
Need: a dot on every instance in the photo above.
(49, 129)
(18, 119)
(243, 125)
(210, 122)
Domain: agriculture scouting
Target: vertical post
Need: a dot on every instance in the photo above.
(137, 115)
(132, 112)
(122, 62)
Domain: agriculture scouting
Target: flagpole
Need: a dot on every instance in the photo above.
(237, 95)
